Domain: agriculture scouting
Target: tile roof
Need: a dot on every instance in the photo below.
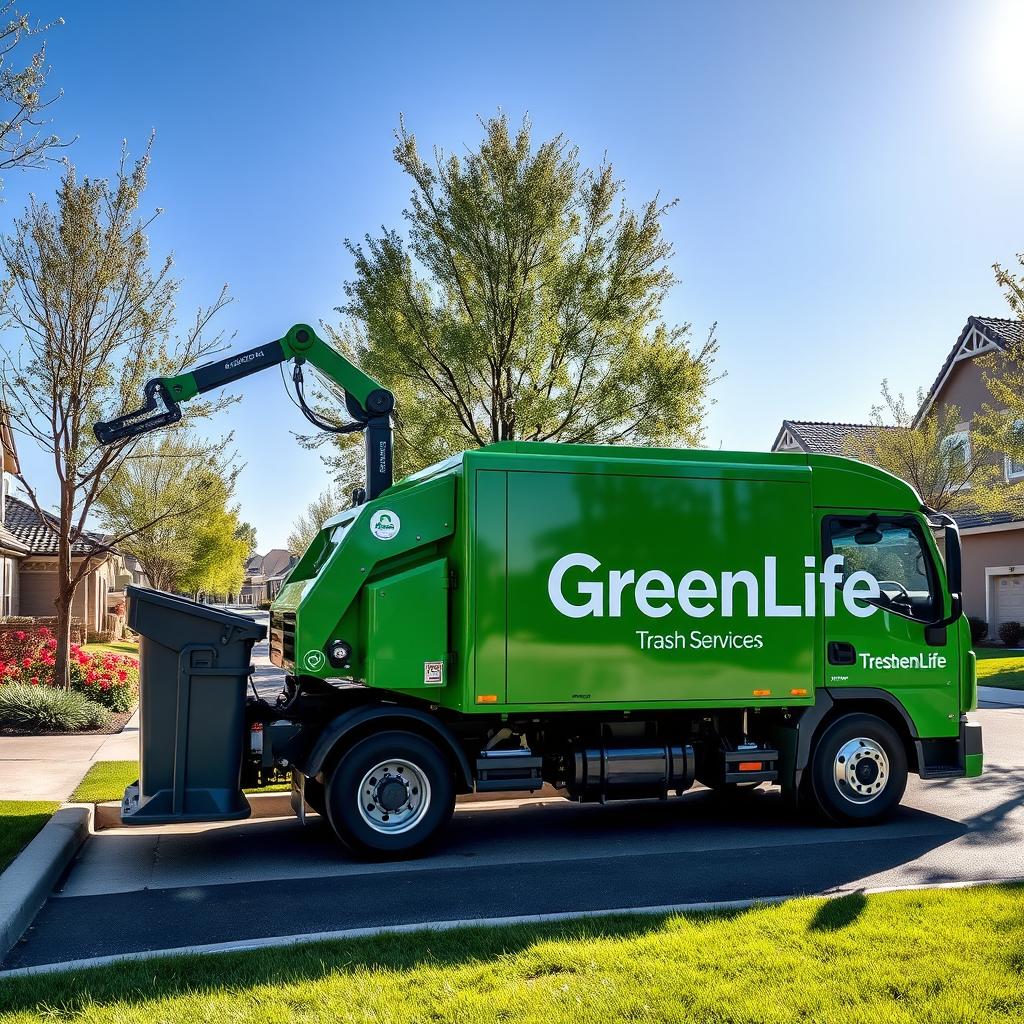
(821, 437)
(8, 542)
(1003, 333)
(28, 527)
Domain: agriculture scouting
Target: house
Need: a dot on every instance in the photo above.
(28, 550)
(993, 544)
(265, 575)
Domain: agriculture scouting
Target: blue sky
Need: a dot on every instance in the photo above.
(847, 173)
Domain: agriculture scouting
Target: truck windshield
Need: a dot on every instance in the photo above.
(895, 553)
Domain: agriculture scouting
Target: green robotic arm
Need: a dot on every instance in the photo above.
(369, 404)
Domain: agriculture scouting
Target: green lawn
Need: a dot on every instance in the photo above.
(118, 647)
(106, 780)
(20, 820)
(898, 958)
(997, 667)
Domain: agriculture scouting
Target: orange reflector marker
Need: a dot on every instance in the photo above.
(487, 698)
(751, 766)
(798, 692)
(762, 693)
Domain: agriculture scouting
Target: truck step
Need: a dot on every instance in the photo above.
(508, 771)
(739, 765)
(942, 771)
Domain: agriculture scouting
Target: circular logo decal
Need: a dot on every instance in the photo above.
(314, 660)
(384, 525)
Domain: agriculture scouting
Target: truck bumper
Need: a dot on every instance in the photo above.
(971, 749)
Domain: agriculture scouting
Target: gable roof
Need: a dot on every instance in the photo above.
(980, 334)
(276, 561)
(28, 527)
(821, 437)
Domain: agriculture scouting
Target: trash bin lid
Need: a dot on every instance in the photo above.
(243, 627)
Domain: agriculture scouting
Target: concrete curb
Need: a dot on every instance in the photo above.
(280, 941)
(29, 880)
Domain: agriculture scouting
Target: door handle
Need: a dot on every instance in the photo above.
(841, 653)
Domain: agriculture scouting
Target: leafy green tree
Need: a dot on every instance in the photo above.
(526, 302)
(947, 475)
(1000, 427)
(170, 504)
(90, 319)
(328, 503)
(219, 547)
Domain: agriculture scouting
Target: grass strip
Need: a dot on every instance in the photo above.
(20, 820)
(999, 668)
(920, 957)
(115, 647)
(106, 780)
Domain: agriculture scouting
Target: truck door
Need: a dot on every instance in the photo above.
(887, 643)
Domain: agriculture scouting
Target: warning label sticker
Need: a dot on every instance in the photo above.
(433, 673)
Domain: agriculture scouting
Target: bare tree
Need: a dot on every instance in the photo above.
(90, 321)
(23, 143)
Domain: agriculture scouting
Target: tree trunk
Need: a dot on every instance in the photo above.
(65, 595)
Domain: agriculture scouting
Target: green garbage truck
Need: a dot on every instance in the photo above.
(616, 622)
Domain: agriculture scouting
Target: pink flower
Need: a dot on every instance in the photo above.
(19, 634)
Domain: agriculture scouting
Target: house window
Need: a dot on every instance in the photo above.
(957, 450)
(1015, 467)
(10, 567)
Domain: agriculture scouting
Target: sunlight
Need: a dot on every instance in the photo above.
(1003, 60)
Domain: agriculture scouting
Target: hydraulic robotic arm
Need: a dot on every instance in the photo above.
(369, 404)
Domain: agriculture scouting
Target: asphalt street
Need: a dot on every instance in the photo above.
(132, 890)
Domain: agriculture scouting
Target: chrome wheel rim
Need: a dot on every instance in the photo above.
(394, 796)
(861, 770)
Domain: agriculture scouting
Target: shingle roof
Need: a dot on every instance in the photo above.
(966, 520)
(29, 528)
(1003, 333)
(822, 437)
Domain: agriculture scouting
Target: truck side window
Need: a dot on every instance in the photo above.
(894, 552)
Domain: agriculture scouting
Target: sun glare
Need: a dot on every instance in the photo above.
(1003, 59)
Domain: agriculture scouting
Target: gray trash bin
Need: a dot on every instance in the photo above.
(193, 666)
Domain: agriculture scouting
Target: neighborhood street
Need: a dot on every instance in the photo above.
(134, 889)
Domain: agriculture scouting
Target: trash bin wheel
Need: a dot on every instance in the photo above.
(390, 795)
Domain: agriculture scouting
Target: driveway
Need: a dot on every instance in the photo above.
(134, 890)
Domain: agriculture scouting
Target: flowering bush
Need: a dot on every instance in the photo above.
(27, 656)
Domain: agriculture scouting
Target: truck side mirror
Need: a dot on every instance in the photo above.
(954, 560)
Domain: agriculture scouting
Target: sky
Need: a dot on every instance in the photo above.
(847, 173)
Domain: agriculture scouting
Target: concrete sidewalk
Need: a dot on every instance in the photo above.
(50, 767)
(999, 697)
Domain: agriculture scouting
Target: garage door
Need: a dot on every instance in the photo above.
(1009, 600)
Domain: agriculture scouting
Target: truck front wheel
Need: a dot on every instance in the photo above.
(858, 770)
(390, 795)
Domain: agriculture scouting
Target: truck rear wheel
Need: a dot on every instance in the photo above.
(390, 795)
(858, 770)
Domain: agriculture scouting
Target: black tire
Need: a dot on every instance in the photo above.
(397, 811)
(858, 771)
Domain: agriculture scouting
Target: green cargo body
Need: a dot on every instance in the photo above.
(502, 517)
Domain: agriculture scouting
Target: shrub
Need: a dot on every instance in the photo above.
(99, 636)
(1010, 633)
(265, 605)
(33, 707)
(27, 656)
(110, 679)
(979, 628)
